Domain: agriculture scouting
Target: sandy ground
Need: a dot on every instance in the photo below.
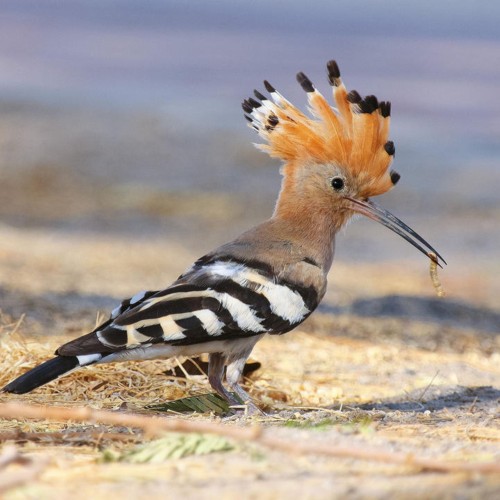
(383, 364)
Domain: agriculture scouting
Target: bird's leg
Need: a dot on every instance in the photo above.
(216, 364)
(233, 374)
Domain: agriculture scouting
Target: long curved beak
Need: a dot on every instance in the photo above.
(379, 214)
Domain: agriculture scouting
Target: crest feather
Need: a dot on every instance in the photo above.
(354, 135)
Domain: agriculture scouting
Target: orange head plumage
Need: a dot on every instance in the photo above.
(353, 136)
(334, 160)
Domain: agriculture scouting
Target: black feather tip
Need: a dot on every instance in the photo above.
(269, 87)
(385, 109)
(353, 97)
(369, 104)
(389, 148)
(254, 103)
(304, 82)
(272, 121)
(395, 177)
(246, 106)
(333, 73)
(259, 96)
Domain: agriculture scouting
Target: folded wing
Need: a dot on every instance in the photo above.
(216, 299)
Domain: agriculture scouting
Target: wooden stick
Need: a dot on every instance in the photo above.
(150, 425)
(158, 425)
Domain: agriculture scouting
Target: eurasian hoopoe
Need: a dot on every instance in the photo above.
(272, 277)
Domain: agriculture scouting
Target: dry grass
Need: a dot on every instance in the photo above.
(317, 388)
(350, 377)
(130, 384)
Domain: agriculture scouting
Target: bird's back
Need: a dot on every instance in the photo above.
(255, 284)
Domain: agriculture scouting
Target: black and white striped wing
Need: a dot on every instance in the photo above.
(216, 300)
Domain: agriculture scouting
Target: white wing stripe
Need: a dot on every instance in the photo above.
(210, 321)
(241, 312)
(87, 359)
(283, 300)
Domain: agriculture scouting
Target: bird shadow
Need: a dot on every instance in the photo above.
(449, 312)
(435, 399)
(43, 311)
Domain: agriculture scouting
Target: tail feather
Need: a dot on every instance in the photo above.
(42, 374)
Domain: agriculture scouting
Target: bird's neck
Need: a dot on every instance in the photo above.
(308, 223)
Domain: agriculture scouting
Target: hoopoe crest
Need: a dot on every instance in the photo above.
(351, 140)
(354, 135)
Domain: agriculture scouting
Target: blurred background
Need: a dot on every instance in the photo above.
(122, 118)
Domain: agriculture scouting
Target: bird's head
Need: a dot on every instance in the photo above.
(336, 160)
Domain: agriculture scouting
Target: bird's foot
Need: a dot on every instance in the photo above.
(248, 409)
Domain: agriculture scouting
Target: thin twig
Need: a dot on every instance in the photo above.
(17, 325)
(421, 397)
(156, 425)
(151, 425)
(472, 406)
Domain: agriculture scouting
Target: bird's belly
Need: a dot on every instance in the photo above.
(164, 351)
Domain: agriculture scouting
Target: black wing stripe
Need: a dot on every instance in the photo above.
(179, 289)
(154, 331)
(199, 335)
(164, 308)
(191, 323)
(244, 294)
(256, 301)
(88, 344)
(112, 337)
(309, 295)
(127, 304)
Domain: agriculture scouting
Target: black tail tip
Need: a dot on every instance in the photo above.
(42, 374)
(15, 388)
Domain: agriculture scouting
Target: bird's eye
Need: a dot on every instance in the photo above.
(338, 183)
